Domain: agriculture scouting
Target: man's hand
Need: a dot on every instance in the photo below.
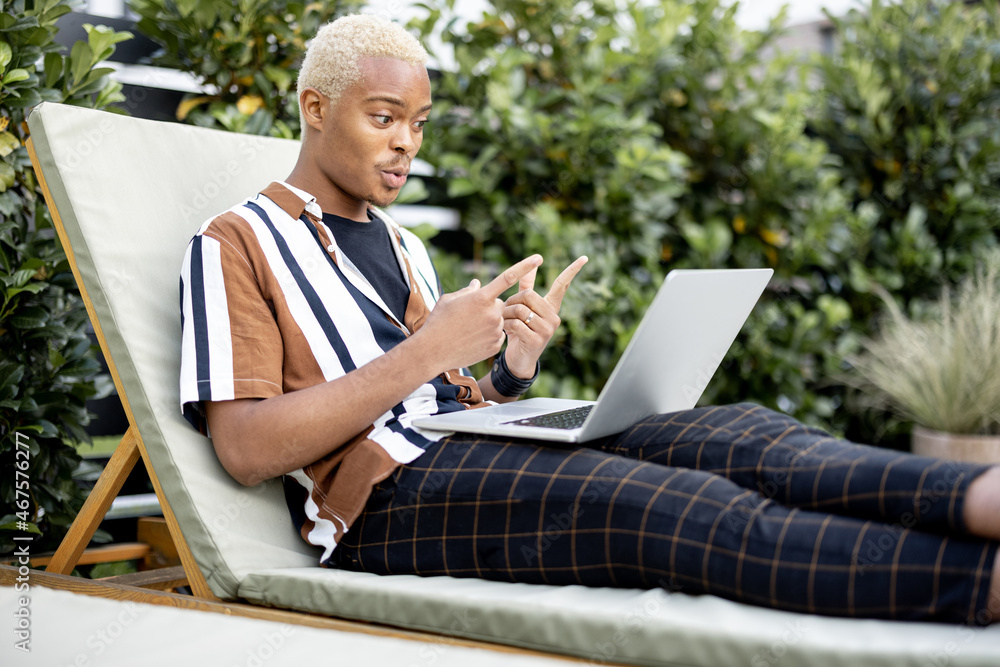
(530, 319)
(468, 326)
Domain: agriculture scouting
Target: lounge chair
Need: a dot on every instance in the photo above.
(127, 195)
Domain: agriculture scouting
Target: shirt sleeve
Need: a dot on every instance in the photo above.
(231, 346)
(422, 264)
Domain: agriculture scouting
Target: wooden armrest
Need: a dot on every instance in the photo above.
(163, 579)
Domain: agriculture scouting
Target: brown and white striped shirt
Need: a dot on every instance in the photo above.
(270, 305)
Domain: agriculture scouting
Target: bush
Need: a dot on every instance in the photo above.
(910, 105)
(760, 192)
(541, 153)
(654, 135)
(48, 369)
(648, 136)
(246, 54)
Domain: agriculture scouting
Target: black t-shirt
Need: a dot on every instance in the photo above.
(368, 245)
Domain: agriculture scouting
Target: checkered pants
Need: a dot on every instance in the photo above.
(737, 501)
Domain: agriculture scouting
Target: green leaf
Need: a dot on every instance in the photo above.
(110, 94)
(81, 59)
(186, 6)
(461, 187)
(80, 367)
(53, 12)
(281, 76)
(5, 55)
(13, 376)
(413, 191)
(8, 143)
(53, 66)
(33, 288)
(7, 176)
(48, 429)
(50, 95)
(21, 527)
(22, 276)
(10, 24)
(263, 84)
(15, 75)
(29, 318)
(29, 98)
(97, 73)
(102, 40)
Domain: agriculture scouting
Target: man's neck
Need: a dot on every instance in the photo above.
(329, 198)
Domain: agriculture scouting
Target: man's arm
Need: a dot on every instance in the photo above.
(257, 439)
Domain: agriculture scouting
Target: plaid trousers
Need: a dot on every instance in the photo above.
(737, 501)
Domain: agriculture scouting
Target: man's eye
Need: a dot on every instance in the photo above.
(383, 119)
(420, 124)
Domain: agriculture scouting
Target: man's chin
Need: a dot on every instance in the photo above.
(383, 201)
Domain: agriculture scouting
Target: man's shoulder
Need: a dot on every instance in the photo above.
(236, 222)
(232, 233)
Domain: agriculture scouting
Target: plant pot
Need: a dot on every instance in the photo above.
(975, 448)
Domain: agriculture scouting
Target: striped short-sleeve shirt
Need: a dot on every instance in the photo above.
(270, 305)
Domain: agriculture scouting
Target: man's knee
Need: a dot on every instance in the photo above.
(743, 411)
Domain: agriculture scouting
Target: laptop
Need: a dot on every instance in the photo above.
(680, 342)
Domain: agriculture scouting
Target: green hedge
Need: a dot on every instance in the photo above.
(654, 135)
(911, 106)
(660, 135)
(649, 139)
(246, 54)
(48, 368)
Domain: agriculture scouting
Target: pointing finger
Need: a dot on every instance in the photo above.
(527, 280)
(561, 284)
(511, 276)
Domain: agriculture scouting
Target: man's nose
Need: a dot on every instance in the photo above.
(404, 142)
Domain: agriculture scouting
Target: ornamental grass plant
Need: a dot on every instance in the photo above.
(941, 369)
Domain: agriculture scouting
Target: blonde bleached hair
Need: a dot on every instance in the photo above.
(331, 62)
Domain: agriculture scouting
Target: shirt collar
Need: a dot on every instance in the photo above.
(292, 200)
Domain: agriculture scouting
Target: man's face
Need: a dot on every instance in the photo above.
(372, 133)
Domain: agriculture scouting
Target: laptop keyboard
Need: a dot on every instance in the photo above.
(564, 419)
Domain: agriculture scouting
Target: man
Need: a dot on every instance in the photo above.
(314, 333)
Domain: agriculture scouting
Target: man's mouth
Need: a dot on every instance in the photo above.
(395, 178)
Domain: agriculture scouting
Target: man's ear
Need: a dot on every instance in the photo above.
(313, 105)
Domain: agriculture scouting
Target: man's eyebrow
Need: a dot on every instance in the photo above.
(395, 101)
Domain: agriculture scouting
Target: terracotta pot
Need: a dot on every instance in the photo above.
(976, 448)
